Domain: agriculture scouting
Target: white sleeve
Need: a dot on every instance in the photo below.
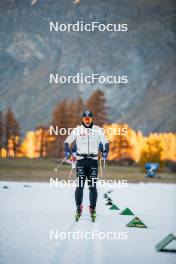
(72, 137)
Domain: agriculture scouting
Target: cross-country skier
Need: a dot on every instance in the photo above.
(88, 137)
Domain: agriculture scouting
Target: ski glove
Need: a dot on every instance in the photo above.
(105, 152)
(73, 157)
(104, 155)
(67, 150)
(67, 154)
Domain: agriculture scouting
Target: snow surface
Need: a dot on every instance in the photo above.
(28, 214)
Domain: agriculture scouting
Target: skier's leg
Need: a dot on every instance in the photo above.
(79, 191)
(81, 177)
(92, 180)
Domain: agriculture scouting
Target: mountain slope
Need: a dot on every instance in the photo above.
(146, 53)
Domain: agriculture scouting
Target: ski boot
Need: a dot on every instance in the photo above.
(78, 212)
(92, 213)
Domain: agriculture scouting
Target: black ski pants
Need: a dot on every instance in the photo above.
(86, 168)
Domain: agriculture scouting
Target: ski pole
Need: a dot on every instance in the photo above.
(70, 174)
(104, 167)
(73, 166)
(101, 173)
(56, 169)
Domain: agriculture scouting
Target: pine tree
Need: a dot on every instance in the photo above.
(76, 110)
(61, 119)
(120, 145)
(11, 130)
(97, 104)
(61, 114)
(1, 132)
(42, 137)
(152, 151)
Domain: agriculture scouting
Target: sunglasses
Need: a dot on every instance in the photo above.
(87, 119)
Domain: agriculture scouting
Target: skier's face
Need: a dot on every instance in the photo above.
(87, 121)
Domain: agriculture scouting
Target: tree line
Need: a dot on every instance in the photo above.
(66, 114)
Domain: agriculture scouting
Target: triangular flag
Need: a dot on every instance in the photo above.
(110, 191)
(114, 207)
(109, 203)
(127, 211)
(109, 200)
(136, 222)
(164, 242)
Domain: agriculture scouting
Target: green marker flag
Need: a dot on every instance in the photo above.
(136, 222)
(114, 207)
(127, 211)
(109, 203)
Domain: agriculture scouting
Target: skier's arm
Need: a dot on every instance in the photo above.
(69, 140)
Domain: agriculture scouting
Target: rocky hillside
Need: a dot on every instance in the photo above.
(146, 53)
